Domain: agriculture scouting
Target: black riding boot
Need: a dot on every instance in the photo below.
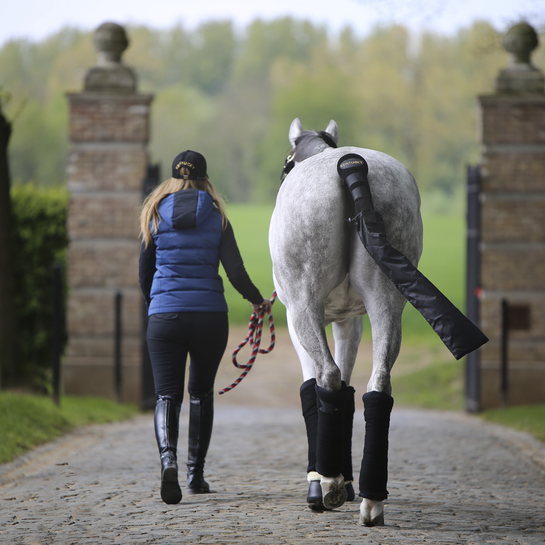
(167, 417)
(201, 418)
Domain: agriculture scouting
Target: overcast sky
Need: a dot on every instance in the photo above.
(35, 19)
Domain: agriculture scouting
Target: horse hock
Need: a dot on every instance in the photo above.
(374, 465)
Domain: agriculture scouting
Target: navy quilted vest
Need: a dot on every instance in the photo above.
(187, 255)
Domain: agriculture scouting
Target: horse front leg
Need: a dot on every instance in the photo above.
(347, 334)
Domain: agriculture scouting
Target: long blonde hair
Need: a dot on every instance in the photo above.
(150, 207)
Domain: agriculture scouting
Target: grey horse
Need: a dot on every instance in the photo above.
(323, 274)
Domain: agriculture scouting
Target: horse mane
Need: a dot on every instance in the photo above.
(305, 142)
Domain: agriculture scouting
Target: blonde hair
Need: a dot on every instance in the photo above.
(150, 207)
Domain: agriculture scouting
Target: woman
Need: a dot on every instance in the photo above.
(185, 235)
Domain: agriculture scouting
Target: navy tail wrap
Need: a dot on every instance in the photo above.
(458, 333)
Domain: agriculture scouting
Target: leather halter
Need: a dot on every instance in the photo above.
(289, 163)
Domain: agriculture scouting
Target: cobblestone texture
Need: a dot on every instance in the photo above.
(453, 480)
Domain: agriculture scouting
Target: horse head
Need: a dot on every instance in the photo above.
(305, 144)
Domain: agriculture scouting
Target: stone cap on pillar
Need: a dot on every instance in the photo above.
(521, 76)
(109, 75)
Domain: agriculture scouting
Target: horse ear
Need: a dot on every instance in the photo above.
(296, 129)
(333, 131)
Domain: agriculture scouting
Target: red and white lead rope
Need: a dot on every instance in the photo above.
(255, 329)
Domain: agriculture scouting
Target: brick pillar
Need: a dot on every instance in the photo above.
(513, 225)
(109, 132)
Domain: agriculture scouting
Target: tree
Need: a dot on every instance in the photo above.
(7, 293)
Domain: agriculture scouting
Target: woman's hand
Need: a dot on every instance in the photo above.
(262, 306)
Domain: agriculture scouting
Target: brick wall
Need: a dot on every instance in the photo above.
(108, 118)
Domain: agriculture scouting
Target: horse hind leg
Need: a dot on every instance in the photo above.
(310, 406)
(329, 445)
(378, 405)
(374, 464)
(385, 317)
(330, 398)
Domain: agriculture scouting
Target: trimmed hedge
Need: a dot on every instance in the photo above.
(40, 240)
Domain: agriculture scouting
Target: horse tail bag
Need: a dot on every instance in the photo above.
(458, 333)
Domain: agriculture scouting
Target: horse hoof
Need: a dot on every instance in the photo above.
(333, 492)
(314, 496)
(371, 513)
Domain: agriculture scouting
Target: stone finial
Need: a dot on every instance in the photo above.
(521, 76)
(109, 75)
(110, 41)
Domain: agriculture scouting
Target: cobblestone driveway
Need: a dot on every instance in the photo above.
(453, 480)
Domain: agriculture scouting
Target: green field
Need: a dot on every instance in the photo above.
(443, 262)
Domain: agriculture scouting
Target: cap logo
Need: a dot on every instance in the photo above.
(185, 164)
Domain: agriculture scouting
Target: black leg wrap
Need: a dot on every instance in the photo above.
(348, 423)
(309, 405)
(329, 440)
(201, 419)
(167, 417)
(374, 465)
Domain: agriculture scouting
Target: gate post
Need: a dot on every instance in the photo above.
(473, 283)
(512, 248)
(107, 160)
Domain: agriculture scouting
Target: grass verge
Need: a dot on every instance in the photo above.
(528, 418)
(441, 386)
(438, 386)
(27, 420)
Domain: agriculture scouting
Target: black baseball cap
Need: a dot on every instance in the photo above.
(192, 160)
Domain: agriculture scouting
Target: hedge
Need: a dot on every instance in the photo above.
(40, 240)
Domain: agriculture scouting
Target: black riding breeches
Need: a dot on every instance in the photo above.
(172, 336)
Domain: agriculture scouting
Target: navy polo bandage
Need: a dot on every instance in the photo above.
(309, 405)
(348, 423)
(329, 440)
(374, 465)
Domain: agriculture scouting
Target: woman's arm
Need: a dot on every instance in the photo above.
(234, 268)
(146, 270)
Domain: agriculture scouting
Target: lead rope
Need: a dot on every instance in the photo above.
(255, 329)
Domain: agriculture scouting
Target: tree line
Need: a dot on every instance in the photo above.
(232, 95)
